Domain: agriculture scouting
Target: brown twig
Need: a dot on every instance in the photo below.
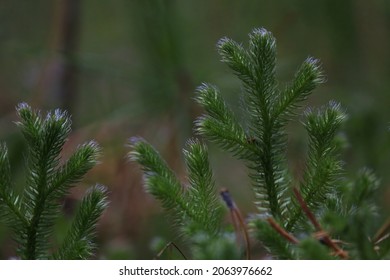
(321, 234)
(306, 209)
(383, 232)
(237, 220)
(281, 231)
(238, 215)
(169, 245)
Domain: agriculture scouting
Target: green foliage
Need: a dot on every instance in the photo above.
(194, 207)
(260, 140)
(323, 166)
(77, 243)
(311, 249)
(280, 246)
(32, 214)
(292, 222)
(358, 219)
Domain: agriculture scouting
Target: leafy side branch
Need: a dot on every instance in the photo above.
(194, 207)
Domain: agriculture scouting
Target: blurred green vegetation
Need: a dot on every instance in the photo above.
(125, 68)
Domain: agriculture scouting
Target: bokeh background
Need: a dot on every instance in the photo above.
(127, 68)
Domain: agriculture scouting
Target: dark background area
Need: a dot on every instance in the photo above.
(127, 68)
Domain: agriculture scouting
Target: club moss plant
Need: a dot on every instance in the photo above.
(324, 215)
(31, 214)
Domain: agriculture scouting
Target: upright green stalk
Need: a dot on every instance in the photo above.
(32, 214)
(295, 219)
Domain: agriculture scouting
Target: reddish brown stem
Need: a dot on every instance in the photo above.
(237, 214)
(237, 220)
(325, 237)
(170, 245)
(383, 232)
(306, 209)
(281, 231)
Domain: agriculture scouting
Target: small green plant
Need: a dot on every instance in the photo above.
(32, 214)
(195, 208)
(322, 216)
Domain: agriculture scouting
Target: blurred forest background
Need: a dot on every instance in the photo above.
(127, 68)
